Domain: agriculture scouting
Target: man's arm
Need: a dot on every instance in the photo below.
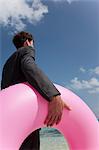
(36, 77)
(45, 87)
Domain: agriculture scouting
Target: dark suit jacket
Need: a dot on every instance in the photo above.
(20, 67)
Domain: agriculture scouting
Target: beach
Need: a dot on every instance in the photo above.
(51, 139)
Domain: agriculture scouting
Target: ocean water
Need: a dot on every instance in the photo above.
(51, 139)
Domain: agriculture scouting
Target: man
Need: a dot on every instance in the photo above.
(21, 67)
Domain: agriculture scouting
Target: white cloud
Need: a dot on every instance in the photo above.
(95, 70)
(82, 69)
(14, 12)
(91, 85)
(88, 88)
(92, 71)
(94, 82)
(94, 91)
(79, 85)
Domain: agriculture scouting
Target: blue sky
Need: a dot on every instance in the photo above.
(66, 36)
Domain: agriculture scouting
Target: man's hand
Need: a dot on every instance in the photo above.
(55, 110)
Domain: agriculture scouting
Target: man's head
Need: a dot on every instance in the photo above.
(22, 39)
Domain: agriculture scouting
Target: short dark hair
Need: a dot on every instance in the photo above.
(21, 37)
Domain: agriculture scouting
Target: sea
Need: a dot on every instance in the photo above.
(52, 139)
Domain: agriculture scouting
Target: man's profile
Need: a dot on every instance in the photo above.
(21, 67)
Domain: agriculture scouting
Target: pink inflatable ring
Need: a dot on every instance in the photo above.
(23, 110)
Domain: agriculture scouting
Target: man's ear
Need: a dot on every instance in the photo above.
(26, 43)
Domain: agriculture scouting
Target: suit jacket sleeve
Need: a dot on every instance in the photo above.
(35, 76)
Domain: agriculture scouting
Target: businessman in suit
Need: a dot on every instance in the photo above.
(21, 67)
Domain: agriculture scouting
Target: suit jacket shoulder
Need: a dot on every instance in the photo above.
(12, 73)
(28, 50)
